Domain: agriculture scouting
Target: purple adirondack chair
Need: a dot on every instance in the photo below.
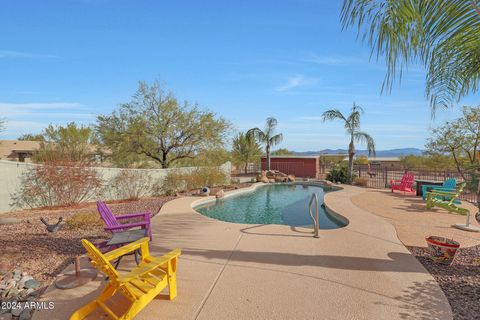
(113, 224)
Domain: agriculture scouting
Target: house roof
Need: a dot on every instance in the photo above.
(293, 157)
(8, 148)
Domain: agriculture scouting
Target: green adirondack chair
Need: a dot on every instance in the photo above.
(435, 199)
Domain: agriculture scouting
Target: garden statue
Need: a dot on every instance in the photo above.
(52, 227)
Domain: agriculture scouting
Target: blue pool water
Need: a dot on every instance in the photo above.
(272, 204)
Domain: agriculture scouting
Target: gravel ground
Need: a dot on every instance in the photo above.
(28, 246)
(460, 281)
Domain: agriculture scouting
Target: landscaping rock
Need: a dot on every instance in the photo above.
(4, 268)
(16, 311)
(220, 194)
(291, 178)
(25, 315)
(32, 284)
(6, 220)
(21, 290)
(265, 180)
(6, 316)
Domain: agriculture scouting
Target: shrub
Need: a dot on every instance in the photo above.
(362, 182)
(131, 184)
(57, 183)
(338, 173)
(83, 221)
(199, 177)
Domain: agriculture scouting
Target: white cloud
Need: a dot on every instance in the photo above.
(40, 105)
(22, 54)
(34, 117)
(332, 60)
(295, 82)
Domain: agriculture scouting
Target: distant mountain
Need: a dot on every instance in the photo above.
(380, 153)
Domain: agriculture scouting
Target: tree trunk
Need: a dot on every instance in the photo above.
(246, 167)
(477, 215)
(351, 154)
(164, 161)
(268, 157)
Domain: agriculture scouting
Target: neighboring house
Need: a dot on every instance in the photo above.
(384, 162)
(16, 150)
(388, 162)
(22, 151)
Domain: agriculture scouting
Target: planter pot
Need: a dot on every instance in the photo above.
(442, 249)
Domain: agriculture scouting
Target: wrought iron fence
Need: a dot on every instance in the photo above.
(379, 177)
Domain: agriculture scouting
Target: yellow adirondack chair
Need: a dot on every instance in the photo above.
(140, 286)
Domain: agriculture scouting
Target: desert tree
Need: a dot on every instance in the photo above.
(155, 126)
(245, 149)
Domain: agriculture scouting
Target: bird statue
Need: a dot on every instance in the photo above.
(52, 227)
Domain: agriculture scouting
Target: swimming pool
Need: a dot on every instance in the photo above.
(272, 204)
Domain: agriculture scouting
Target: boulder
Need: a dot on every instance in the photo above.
(291, 178)
(32, 284)
(271, 180)
(7, 220)
(265, 180)
(220, 194)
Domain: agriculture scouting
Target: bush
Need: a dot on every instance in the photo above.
(84, 221)
(338, 173)
(199, 177)
(57, 183)
(362, 182)
(131, 185)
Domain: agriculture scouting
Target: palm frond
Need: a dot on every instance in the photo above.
(333, 114)
(440, 35)
(270, 124)
(257, 134)
(363, 137)
(353, 119)
(276, 139)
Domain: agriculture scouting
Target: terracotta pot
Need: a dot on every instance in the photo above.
(442, 249)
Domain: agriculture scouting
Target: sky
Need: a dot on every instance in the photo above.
(72, 60)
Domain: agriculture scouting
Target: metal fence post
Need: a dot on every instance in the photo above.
(385, 172)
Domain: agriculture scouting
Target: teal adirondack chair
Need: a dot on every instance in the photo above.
(449, 185)
(435, 199)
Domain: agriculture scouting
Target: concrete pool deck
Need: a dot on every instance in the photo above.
(237, 271)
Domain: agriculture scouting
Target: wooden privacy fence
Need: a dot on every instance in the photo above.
(379, 177)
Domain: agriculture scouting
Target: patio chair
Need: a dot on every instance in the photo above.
(141, 285)
(436, 199)
(405, 185)
(113, 224)
(449, 185)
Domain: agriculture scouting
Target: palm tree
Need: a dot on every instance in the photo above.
(352, 125)
(245, 149)
(442, 35)
(267, 136)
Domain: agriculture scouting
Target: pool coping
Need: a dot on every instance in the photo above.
(273, 266)
(252, 188)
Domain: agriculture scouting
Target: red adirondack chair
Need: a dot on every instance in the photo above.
(113, 224)
(405, 185)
